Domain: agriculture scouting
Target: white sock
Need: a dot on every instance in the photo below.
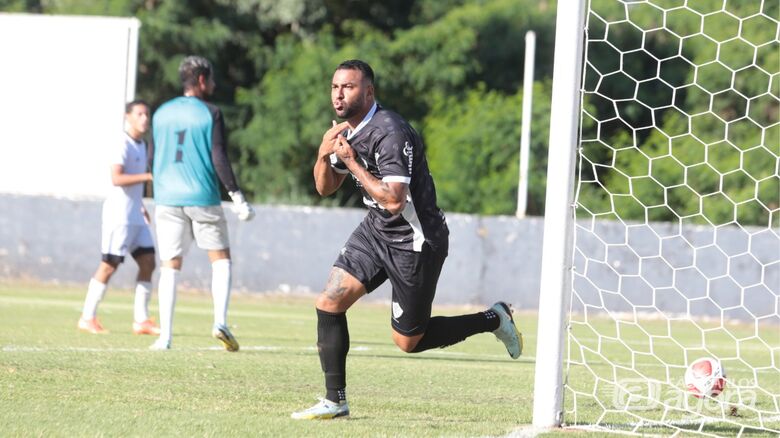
(220, 289)
(95, 293)
(143, 292)
(166, 294)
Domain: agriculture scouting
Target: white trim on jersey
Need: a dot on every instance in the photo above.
(371, 203)
(400, 179)
(363, 122)
(410, 214)
(334, 164)
(334, 159)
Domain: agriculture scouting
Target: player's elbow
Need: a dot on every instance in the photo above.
(324, 190)
(395, 206)
(326, 185)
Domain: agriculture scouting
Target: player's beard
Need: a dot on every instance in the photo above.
(350, 110)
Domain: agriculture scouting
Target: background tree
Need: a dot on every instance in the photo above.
(671, 94)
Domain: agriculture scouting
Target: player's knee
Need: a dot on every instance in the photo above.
(107, 268)
(144, 257)
(407, 344)
(406, 347)
(330, 304)
(148, 264)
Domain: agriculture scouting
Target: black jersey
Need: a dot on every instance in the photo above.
(393, 151)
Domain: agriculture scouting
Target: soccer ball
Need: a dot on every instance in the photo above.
(705, 377)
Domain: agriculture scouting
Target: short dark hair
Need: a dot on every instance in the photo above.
(191, 68)
(356, 64)
(130, 105)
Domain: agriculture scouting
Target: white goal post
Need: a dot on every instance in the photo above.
(555, 286)
(662, 218)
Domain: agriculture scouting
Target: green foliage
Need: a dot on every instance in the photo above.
(702, 135)
(293, 111)
(476, 171)
(676, 93)
(417, 68)
(473, 151)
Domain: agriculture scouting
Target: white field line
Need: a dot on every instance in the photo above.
(53, 302)
(24, 349)
(621, 429)
(611, 430)
(76, 305)
(528, 432)
(614, 431)
(309, 349)
(49, 302)
(614, 428)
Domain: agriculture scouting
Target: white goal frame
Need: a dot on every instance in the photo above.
(562, 258)
(555, 287)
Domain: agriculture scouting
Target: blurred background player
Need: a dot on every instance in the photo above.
(404, 237)
(189, 154)
(126, 226)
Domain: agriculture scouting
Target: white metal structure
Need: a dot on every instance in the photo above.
(63, 86)
(525, 128)
(555, 288)
(670, 250)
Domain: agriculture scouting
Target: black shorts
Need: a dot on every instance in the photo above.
(115, 260)
(413, 275)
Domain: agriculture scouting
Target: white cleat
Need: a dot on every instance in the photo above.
(161, 345)
(507, 332)
(324, 410)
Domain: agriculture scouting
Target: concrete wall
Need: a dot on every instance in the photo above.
(291, 249)
(288, 249)
(676, 269)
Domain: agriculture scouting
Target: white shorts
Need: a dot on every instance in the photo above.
(119, 240)
(177, 226)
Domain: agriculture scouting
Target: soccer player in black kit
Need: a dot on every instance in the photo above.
(403, 238)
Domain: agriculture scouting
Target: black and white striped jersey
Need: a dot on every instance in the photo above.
(393, 151)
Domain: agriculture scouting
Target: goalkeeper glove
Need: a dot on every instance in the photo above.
(241, 208)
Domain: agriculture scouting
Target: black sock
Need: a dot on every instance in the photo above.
(444, 331)
(333, 345)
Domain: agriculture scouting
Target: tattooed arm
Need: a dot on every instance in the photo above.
(390, 195)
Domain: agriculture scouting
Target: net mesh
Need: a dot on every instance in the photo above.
(677, 228)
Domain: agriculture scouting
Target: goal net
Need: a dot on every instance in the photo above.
(676, 252)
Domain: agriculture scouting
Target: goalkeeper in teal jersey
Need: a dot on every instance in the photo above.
(189, 156)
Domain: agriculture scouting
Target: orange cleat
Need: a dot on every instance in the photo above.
(147, 327)
(91, 326)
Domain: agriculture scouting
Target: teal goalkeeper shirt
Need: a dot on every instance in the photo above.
(188, 139)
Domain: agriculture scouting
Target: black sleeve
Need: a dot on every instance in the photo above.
(394, 156)
(150, 151)
(219, 155)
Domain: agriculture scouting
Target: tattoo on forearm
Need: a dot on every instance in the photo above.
(334, 290)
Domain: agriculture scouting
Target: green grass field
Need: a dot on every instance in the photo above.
(56, 381)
